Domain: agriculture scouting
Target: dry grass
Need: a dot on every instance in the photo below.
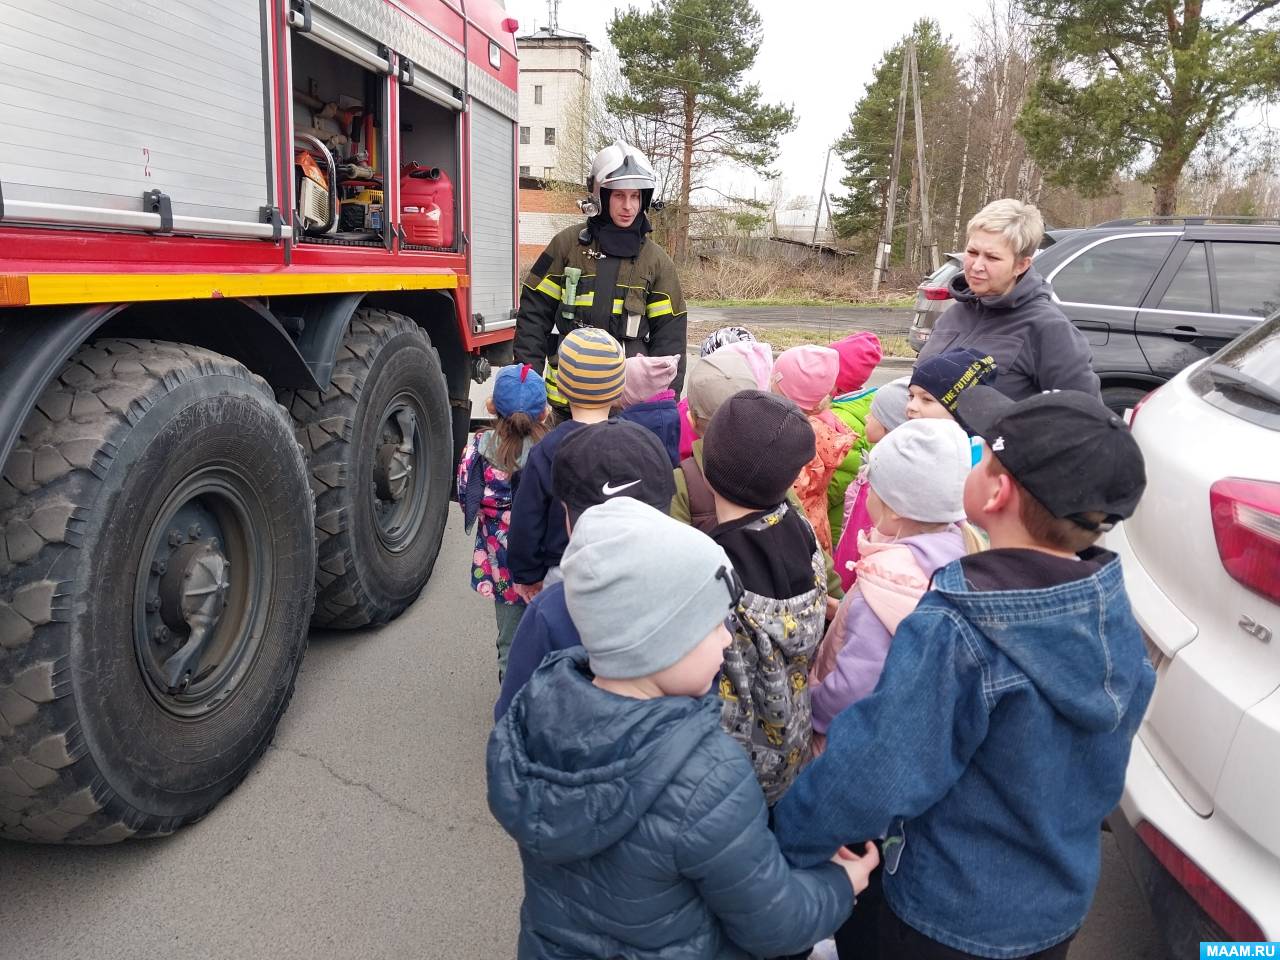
(777, 281)
(783, 338)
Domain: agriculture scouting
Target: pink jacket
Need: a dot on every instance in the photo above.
(687, 436)
(857, 521)
(833, 441)
(892, 577)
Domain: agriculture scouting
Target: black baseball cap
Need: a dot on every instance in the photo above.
(615, 458)
(1068, 450)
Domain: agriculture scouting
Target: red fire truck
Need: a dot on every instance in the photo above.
(252, 255)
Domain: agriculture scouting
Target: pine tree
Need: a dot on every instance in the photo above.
(1143, 83)
(684, 62)
(866, 147)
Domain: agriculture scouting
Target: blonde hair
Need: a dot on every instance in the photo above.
(1019, 223)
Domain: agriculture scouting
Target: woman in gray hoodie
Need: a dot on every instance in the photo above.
(1004, 308)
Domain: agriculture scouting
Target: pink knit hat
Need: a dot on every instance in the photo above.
(759, 357)
(859, 354)
(646, 376)
(806, 375)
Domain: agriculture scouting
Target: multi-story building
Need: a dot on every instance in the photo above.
(555, 90)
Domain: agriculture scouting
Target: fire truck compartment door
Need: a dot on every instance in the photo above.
(493, 214)
(103, 101)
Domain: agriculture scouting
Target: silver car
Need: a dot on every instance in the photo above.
(933, 297)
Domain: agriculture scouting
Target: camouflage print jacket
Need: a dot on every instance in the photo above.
(764, 687)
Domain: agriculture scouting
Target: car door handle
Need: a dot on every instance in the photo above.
(1183, 333)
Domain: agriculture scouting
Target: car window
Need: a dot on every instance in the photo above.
(1190, 287)
(1248, 278)
(1117, 273)
(1244, 377)
(943, 274)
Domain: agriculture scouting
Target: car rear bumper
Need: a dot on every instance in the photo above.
(918, 335)
(1231, 859)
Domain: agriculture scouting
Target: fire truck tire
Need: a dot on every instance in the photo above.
(379, 442)
(156, 505)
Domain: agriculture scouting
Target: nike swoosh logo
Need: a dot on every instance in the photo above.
(609, 490)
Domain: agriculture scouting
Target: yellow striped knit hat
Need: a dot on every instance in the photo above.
(592, 368)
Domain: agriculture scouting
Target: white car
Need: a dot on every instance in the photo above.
(1199, 823)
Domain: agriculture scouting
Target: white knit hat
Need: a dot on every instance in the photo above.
(919, 470)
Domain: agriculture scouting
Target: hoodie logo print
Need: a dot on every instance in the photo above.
(609, 490)
(998, 445)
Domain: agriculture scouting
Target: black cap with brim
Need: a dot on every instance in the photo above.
(1065, 447)
(616, 458)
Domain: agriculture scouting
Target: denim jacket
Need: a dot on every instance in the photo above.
(990, 752)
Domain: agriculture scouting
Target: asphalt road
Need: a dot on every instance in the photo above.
(363, 833)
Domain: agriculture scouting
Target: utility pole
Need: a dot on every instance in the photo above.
(822, 192)
(886, 238)
(926, 222)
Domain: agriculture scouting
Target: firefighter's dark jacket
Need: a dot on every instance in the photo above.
(646, 287)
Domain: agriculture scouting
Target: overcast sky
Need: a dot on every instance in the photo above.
(817, 55)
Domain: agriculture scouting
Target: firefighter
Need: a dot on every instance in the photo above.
(605, 273)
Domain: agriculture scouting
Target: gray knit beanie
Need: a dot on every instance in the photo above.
(642, 589)
(889, 405)
(919, 470)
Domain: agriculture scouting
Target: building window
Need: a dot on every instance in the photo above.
(549, 136)
(537, 94)
(524, 134)
(546, 173)
(524, 171)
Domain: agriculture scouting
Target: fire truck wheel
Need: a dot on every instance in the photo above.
(379, 444)
(156, 550)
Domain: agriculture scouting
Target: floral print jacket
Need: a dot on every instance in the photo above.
(489, 574)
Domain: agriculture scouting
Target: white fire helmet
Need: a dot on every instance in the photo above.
(618, 167)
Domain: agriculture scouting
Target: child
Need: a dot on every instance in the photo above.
(779, 620)
(806, 375)
(759, 357)
(998, 736)
(714, 341)
(712, 380)
(647, 399)
(888, 410)
(860, 353)
(604, 460)
(519, 403)
(590, 371)
(916, 497)
(641, 832)
(936, 383)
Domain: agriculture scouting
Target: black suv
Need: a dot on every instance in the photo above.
(1156, 294)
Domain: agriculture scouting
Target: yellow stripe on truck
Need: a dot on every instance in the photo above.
(45, 289)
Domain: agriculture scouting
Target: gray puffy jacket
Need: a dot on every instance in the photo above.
(643, 832)
(1034, 345)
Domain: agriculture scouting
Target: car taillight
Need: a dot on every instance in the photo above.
(935, 293)
(1133, 412)
(1213, 900)
(1246, 525)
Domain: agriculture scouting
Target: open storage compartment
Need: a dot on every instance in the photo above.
(340, 145)
(429, 161)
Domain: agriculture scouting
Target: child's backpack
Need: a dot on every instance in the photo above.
(702, 502)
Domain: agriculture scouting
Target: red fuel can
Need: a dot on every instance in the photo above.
(426, 205)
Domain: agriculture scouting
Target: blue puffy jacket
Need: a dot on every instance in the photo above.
(642, 830)
(662, 419)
